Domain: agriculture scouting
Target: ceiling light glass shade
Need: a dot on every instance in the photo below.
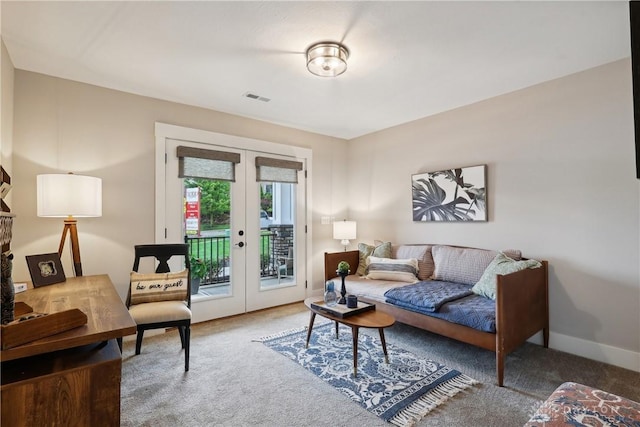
(327, 59)
(61, 195)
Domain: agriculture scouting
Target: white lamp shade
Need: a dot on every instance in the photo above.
(344, 230)
(61, 195)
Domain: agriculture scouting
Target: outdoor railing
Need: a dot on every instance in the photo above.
(215, 251)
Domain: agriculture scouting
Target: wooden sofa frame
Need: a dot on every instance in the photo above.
(522, 309)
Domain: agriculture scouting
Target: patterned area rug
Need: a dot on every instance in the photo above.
(401, 392)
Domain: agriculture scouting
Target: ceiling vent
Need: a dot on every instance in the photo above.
(256, 97)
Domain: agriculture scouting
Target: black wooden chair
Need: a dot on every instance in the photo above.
(161, 299)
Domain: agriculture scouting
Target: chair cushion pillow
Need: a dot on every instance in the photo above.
(400, 270)
(501, 264)
(162, 311)
(154, 287)
(382, 250)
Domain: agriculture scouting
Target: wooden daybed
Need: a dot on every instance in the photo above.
(521, 308)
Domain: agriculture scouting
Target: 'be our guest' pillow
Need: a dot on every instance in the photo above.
(154, 287)
(400, 270)
(501, 264)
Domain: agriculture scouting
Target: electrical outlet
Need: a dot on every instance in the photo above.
(19, 287)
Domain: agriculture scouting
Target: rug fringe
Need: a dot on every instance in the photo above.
(289, 332)
(280, 334)
(413, 413)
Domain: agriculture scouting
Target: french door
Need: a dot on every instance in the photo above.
(258, 247)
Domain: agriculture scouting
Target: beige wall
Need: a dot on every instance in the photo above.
(63, 126)
(6, 112)
(560, 179)
(561, 187)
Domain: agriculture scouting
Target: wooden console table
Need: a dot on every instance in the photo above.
(71, 378)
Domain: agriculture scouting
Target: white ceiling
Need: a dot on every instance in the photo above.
(408, 59)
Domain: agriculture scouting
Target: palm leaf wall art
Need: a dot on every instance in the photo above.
(450, 195)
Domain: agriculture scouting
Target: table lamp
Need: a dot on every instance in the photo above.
(69, 196)
(344, 231)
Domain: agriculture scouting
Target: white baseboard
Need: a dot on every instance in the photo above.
(592, 350)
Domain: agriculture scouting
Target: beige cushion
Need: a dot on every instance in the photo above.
(163, 311)
(153, 287)
(382, 250)
(464, 265)
(460, 265)
(420, 252)
(398, 270)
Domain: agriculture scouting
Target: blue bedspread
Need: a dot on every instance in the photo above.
(474, 311)
(429, 295)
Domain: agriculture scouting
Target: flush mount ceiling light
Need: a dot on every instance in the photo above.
(327, 59)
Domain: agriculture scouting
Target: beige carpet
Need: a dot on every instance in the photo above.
(234, 381)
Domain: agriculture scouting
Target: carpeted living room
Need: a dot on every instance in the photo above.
(246, 383)
(385, 213)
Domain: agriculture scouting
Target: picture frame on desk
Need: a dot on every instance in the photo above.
(45, 269)
(5, 187)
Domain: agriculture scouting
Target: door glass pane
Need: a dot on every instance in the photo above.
(207, 216)
(277, 249)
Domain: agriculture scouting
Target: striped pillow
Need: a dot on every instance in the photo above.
(399, 270)
(154, 287)
(381, 249)
(420, 252)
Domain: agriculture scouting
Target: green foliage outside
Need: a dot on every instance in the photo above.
(199, 267)
(266, 201)
(211, 254)
(215, 202)
(214, 253)
(210, 248)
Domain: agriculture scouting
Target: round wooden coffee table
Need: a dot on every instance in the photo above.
(368, 319)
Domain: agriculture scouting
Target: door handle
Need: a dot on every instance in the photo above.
(240, 244)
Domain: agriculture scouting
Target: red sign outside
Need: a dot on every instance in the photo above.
(192, 211)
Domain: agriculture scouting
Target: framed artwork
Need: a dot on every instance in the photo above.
(450, 195)
(5, 187)
(45, 269)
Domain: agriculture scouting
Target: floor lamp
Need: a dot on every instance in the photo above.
(69, 196)
(344, 231)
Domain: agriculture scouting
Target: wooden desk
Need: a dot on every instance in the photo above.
(68, 378)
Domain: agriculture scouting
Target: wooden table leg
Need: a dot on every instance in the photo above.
(384, 345)
(313, 317)
(354, 332)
